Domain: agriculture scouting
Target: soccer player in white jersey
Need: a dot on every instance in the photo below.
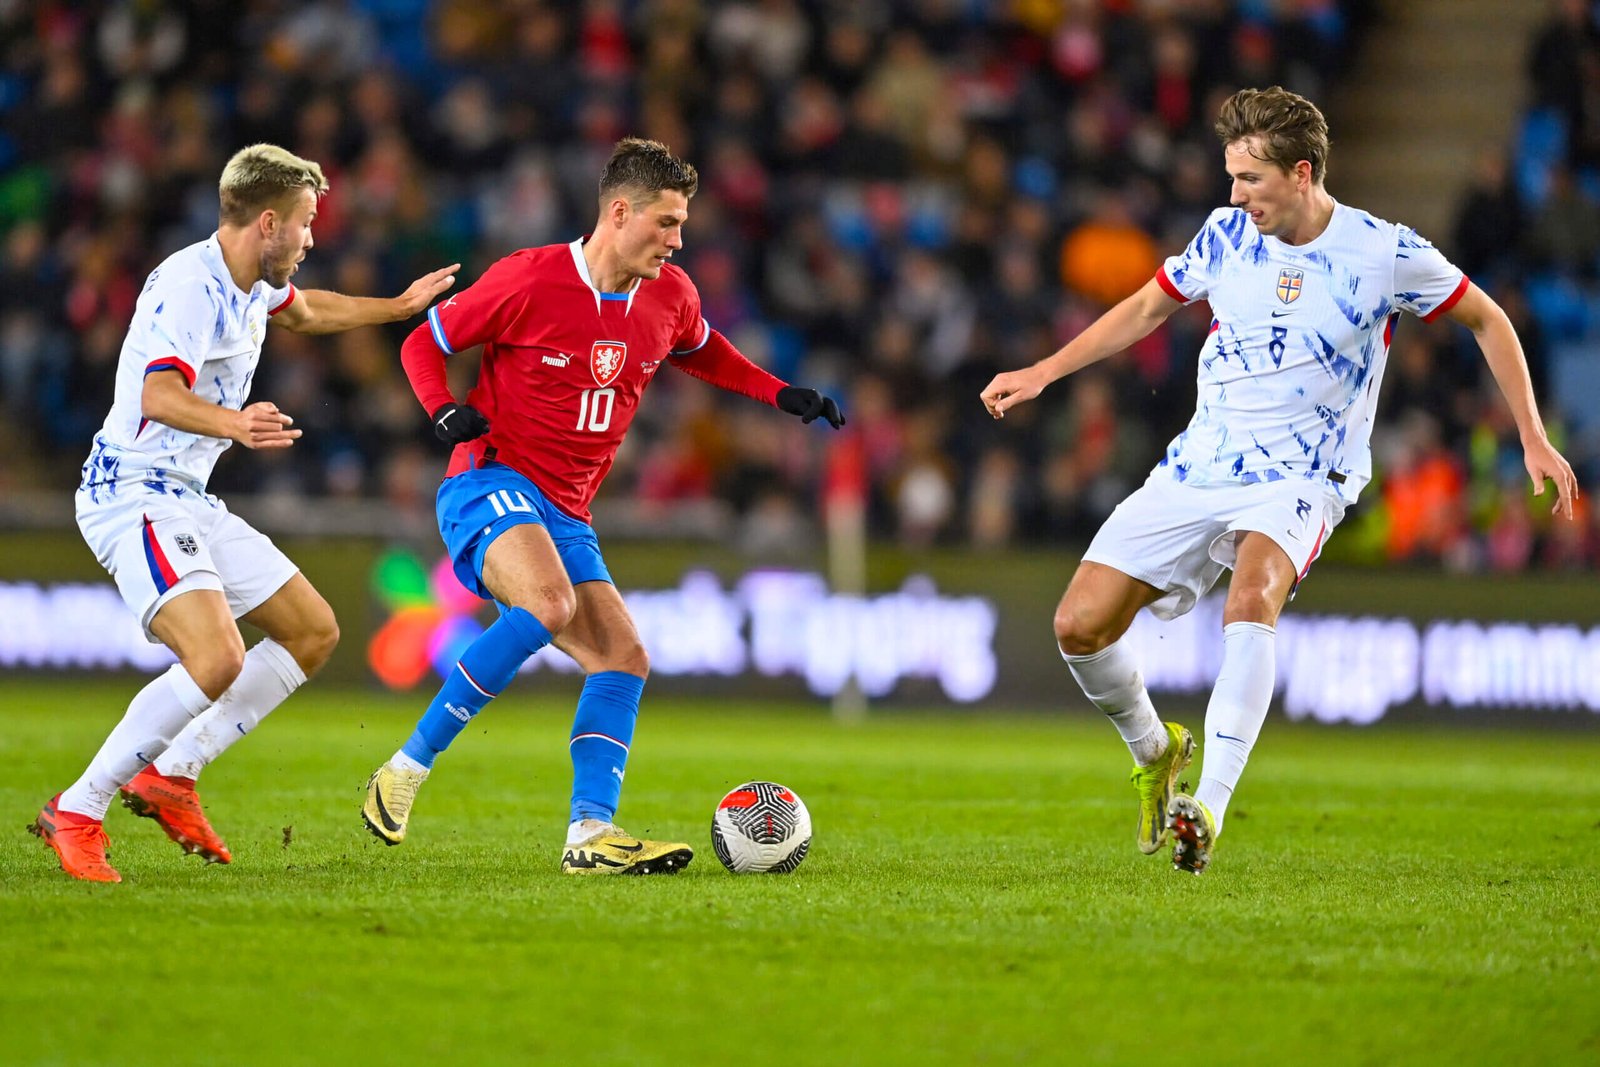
(1304, 292)
(185, 565)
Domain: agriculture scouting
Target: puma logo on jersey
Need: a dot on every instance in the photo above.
(558, 360)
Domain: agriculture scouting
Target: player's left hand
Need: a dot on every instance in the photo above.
(421, 292)
(810, 405)
(1543, 461)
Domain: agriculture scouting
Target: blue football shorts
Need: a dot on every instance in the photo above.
(478, 505)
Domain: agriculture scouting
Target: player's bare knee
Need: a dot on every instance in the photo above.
(553, 607)
(215, 669)
(1252, 603)
(1075, 635)
(314, 646)
(634, 660)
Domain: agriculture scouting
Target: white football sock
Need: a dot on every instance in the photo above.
(154, 717)
(267, 678)
(402, 762)
(1112, 680)
(1237, 709)
(583, 829)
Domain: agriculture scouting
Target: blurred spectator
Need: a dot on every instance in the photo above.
(1490, 220)
(1108, 256)
(900, 198)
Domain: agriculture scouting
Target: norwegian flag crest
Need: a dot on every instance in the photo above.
(1290, 279)
(606, 359)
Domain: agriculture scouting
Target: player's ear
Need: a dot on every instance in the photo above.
(619, 211)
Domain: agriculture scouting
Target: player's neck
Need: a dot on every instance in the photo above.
(242, 258)
(1314, 219)
(606, 270)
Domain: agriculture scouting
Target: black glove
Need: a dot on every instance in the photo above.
(455, 423)
(810, 405)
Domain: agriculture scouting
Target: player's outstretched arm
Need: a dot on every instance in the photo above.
(724, 366)
(1127, 322)
(324, 311)
(1478, 312)
(168, 399)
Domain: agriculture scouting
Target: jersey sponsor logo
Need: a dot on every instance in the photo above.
(558, 359)
(187, 545)
(1290, 279)
(649, 367)
(606, 359)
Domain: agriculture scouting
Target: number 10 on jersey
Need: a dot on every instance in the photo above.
(594, 409)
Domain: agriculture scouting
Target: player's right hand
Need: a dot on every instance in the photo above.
(1008, 390)
(456, 423)
(262, 425)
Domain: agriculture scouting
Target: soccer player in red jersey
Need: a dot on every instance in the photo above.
(572, 335)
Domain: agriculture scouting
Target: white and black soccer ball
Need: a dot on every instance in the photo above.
(761, 826)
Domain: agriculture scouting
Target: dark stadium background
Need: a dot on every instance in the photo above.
(897, 200)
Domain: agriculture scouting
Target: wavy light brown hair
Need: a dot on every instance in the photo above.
(1288, 128)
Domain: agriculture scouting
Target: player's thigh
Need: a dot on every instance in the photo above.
(1156, 541)
(198, 626)
(602, 635)
(1098, 607)
(521, 568)
(1273, 535)
(1263, 578)
(298, 618)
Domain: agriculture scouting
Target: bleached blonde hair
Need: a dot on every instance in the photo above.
(258, 178)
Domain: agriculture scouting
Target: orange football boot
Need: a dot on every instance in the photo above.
(80, 842)
(175, 806)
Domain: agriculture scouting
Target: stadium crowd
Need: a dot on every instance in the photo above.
(898, 199)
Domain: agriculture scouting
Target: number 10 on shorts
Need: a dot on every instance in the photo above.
(505, 501)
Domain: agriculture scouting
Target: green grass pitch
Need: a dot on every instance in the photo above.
(973, 896)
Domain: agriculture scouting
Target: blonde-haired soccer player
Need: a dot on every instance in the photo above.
(1305, 292)
(185, 565)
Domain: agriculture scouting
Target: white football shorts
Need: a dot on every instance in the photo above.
(157, 545)
(1179, 538)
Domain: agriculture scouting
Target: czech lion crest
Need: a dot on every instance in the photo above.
(606, 359)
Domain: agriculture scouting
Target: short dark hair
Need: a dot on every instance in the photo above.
(1289, 126)
(643, 169)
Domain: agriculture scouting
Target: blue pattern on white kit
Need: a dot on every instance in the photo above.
(1287, 388)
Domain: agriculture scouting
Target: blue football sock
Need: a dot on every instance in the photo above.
(484, 669)
(601, 734)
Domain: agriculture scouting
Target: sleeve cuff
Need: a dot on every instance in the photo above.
(293, 292)
(437, 328)
(1450, 301)
(171, 363)
(705, 335)
(1170, 289)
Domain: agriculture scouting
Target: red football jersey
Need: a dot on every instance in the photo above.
(564, 365)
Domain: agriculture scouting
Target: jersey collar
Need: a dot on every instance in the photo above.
(583, 272)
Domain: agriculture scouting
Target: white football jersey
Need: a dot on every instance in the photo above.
(1289, 375)
(191, 318)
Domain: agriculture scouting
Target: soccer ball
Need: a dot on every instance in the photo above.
(761, 826)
